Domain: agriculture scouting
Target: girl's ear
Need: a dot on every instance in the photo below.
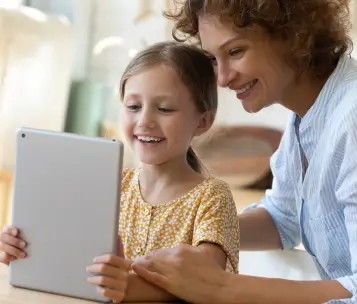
(205, 123)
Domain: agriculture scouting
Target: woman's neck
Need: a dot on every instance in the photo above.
(300, 97)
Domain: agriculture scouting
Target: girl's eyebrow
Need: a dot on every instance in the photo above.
(158, 97)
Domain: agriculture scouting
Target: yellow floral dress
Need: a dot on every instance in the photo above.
(207, 213)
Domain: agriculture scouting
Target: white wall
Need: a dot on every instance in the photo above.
(35, 66)
(114, 21)
(79, 12)
(10, 3)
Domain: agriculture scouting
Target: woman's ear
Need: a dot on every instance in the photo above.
(205, 123)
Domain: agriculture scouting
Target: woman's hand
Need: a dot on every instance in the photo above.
(184, 272)
(12, 245)
(111, 274)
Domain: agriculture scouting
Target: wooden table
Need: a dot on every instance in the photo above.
(12, 295)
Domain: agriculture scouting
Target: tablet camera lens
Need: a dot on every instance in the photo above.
(23, 135)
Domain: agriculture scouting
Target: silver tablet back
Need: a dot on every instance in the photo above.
(66, 203)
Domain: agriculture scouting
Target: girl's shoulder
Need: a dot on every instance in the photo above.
(129, 176)
(214, 187)
(128, 172)
(219, 186)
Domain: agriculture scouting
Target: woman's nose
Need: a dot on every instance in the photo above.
(225, 75)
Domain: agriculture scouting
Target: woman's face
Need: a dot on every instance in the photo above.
(248, 62)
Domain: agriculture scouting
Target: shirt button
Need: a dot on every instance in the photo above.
(138, 249)
(147, 211)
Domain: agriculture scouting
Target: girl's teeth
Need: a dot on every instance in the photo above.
(149, 139)
(246, 87)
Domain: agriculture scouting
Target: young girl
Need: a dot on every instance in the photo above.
(169, 95)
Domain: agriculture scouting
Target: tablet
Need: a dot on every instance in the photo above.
(66, 199)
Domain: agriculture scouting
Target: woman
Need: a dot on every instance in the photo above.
(295, 53)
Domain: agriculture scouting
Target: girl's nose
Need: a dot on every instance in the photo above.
(146, 120)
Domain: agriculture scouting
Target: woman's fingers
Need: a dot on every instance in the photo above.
(183, 271)
(151, 276)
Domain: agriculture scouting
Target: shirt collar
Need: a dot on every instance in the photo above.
(318, 110)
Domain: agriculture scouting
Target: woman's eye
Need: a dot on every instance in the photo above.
(235, 52)
(133, 107)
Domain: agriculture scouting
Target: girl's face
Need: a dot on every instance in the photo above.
(160, 118)
(248, 62)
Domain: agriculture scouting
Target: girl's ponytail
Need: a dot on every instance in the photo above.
(193, 161)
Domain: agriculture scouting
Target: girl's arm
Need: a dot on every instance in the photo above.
(140, 290)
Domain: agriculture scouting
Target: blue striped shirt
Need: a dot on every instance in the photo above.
(318, 206)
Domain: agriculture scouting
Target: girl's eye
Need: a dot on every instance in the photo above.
(165, 110)
(134, 107)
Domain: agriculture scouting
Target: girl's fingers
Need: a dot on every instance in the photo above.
(116, 296)
(11, 250)
(114, 260)
(103, 269)
(108, 271)
(108, 282)
(10, 230)
(6, 258)
(12, 240)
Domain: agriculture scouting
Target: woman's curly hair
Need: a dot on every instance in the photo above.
(316, 30)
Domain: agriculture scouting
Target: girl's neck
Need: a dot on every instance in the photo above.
(166, 182)
(171, 172)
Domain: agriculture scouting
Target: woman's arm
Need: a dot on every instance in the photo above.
(247, 289)
(276, 226)
(186, 273)
(151, 293)
(258, 231)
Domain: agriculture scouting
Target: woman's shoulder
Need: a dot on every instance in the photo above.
(342, 84)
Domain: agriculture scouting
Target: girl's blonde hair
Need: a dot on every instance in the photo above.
(194, 69)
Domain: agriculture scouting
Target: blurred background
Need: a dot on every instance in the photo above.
(60, 65)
